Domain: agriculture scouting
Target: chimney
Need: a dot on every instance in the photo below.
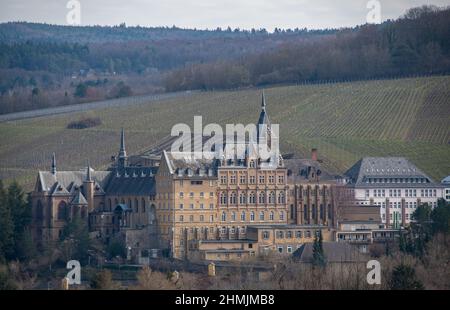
(314, 154)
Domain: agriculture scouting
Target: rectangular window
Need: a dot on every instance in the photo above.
(181, 206)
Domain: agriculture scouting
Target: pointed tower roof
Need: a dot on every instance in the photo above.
(122, 151)
(53, 170)
(263, 120)
(88, 172)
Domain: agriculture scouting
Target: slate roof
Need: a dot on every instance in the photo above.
(69, 179)
(389, 168)
(335, 252)
(79, 199)
(300, 170)
(446, 180)
(135, 181)
(187, 166)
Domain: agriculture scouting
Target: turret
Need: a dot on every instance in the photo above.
(53, 169)
(122, 158)
(88, 186)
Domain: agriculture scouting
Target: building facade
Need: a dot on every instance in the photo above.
(394, 184)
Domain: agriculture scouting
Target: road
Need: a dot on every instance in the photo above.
(136, 100)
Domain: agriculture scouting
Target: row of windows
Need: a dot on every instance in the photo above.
(396, 180)
(261, 216)
(201, 206)
(251, 198)
(289, 234)
(201, 195)
(398, 193)
(252, 179)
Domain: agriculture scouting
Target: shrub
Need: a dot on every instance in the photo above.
(85, 123)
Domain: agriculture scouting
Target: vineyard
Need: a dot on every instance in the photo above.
(345, 121)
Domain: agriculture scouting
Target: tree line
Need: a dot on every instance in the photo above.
(416, 43)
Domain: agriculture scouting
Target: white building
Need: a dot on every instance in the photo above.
(394, 184)
(446, 183)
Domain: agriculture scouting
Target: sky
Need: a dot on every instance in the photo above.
(210, 14)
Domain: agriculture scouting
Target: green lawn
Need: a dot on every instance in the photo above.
(345, 121)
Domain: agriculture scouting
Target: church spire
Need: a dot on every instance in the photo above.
(53, 170)
(122, 152)
(88, 172)
(263, 101)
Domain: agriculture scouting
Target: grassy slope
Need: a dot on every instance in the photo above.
(408, 117)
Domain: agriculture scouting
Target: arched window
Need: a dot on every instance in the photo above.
(272, 197)
(329, 212)
(223, 198)
(261, 216)
(271, 216)
(262, 197)
(224, 217)
(314, 212)
(281, 197)
(243, 216)
(129, 204)
(252, 198)
(281, 215)
(252, 216)
(136, 205)
(242, 199)
(109, 205)
(39, 211)
(233, 198)
(62, 209)
(83, 212)
(322, 215)
(143, 205)
(233, 216)
(305, 212)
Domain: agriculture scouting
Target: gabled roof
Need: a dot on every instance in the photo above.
(78, 199)
(446, 180)
(69, 179)
(182, 164)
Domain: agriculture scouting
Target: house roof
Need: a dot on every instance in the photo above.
(334, 252)
(387, 168)
(137, 181)
(306, 170)
(69, 179)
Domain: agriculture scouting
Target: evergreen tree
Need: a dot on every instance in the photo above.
(403, 277)
(318, 254)
(76, 235)
(6, 227)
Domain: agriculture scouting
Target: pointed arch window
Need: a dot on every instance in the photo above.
(272, 197)
(62, 209)
(262, 197)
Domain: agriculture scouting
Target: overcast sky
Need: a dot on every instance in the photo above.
(209, 13)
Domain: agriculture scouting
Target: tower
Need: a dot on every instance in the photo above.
(122, 158)
(263, 126)
(88, 186)
(53, 169)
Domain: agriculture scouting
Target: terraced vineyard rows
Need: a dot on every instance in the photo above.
(406, 117)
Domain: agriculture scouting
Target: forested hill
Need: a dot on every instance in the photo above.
(16, 32)
(43, 65)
